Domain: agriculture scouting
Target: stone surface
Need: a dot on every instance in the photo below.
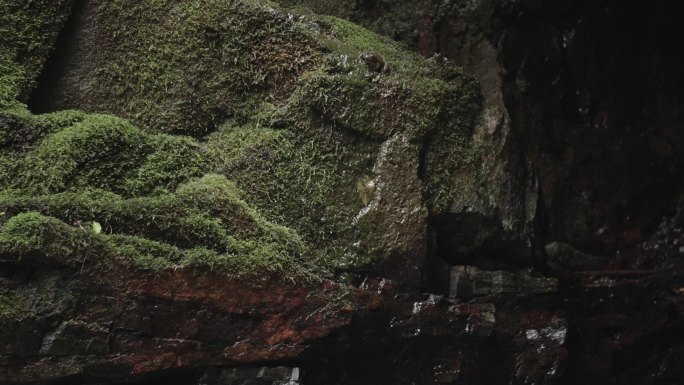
(561, 256)
(252, 376)
(469, 281)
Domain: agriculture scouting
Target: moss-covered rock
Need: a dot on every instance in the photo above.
(393, 18)
(38, 240)
(205, 223)
(185, 66)
(291, 129)
(484, 173)
(96, 151)
(28, 29)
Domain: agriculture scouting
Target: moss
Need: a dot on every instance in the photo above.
(397, 19)
(351, 39)
(307, 174)
(451, 152)
(38, 239)
(19, 129)
(28, 28)
(11, 78)
(205, 222)
(143, 253)
(43, 297)
(174, 160)
(305, 181)
(186, 66)
(299, 125)
(95, 151)
(11, 305)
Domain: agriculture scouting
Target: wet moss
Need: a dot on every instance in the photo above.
(305, 181)
(95, 151)
(11, 78)
(10, 305)
(19, 129)
(393, 18)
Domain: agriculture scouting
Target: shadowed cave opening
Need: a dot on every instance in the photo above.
(45, 96)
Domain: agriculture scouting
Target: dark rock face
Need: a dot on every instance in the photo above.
(544, 218)
(594, 99)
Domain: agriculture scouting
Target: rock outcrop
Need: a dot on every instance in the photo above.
(224, 192)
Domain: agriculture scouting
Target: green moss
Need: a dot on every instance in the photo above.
(174, 160)
(11, 78)
(97, 152)
(37, 239)
(19, 129)
(10, 305)
(298, 126)
(44, 297)
(143, 253)
(306, 181)
(28, 28)
(94, 151)
(451, 152)
(186, 66)
(396, 18)
(351, 39)
(206, 221)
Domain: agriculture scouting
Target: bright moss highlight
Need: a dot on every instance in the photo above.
(94, 151)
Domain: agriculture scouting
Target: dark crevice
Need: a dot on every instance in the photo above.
(44, 97)
(471, 238)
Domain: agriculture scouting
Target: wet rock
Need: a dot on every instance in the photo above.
(469, 281)
(74, 337)
(465, 321)
(561, 256)
(252, 376)
(551, 335)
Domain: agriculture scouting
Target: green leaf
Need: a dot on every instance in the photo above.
(97, 228)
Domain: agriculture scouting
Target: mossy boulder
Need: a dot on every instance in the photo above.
(298, 159)
(185, 66)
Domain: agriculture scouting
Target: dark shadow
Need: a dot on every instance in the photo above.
(43, 98)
